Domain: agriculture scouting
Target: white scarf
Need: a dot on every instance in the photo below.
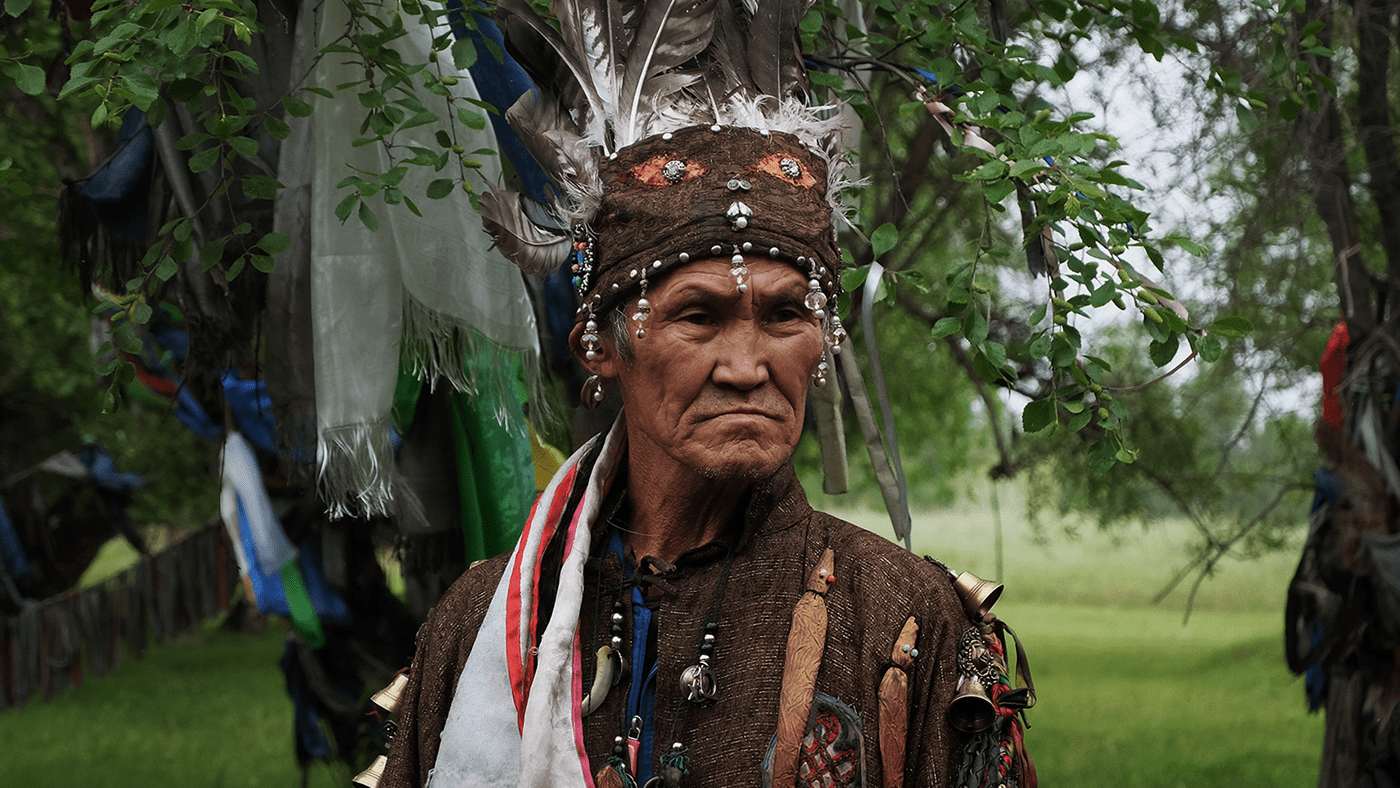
(514, 724)
(429, 285)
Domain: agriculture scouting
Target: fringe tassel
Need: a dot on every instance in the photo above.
(434, 346)
(356, 469)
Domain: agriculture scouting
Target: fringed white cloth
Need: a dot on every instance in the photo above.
(514, 720)
(429, 286)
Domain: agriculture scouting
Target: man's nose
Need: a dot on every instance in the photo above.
(742, 362)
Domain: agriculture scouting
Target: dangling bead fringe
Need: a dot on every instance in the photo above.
(643, 309)
(739, 271)
(592, 394)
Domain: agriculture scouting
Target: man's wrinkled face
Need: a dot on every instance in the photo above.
(719, 382)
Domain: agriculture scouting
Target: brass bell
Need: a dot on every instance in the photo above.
(391, 697)
(977, 595)
(369, 778)
(971, 711)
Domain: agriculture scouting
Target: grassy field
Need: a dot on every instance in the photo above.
(1129, 696)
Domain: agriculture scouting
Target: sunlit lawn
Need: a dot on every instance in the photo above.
(1128, 695)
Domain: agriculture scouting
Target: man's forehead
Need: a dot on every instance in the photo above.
(713, 279)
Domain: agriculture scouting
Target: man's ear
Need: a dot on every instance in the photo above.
(605, 362)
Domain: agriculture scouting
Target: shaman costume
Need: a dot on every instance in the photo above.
(792, 650)
(741, 593)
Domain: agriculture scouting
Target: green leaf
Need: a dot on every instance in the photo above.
(394, 176)
(208, 15)
(296, 107)
(367, 217)
(263, 263)
(470, 119)
(277, 127)
(125, 336)
(995, 352)
(17, 7)
(371, 99)
(1247, 119)
(246, 147)
(167, 268)
(883, 239)
(342, 211)
(29, 79)
(1210, 348)
(261, 187)
(204, 160)
(1038, 414)
(1162, 352)
(464, 53)
(440, 188)
(274, 243)
(212, 253)
(1081, 420)
(1232, 327)
(192, 141)
(947, 327)
(1026, 166)
(975, 327)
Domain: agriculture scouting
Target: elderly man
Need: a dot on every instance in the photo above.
(675, 612)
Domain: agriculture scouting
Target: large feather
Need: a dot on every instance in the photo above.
(550, 134)
(598, 31)
(535, 249)
(543, 53)
(729, 53)
(669, 33)
(775, 57)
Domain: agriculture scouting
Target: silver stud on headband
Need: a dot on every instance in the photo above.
(738, 215)
(673, 171)
(790, 168)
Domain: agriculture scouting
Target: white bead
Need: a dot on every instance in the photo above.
(740, 223)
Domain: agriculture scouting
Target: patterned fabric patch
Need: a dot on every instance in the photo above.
(823, 763)
(833, 750)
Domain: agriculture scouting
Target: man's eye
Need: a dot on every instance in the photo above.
(697, 318)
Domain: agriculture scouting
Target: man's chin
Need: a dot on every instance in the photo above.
(746, 469)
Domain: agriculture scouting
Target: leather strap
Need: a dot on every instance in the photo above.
(805, 644)
(894, 706)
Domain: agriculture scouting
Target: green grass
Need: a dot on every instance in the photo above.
(1129, 696)
(1133, 699)
(207, 710)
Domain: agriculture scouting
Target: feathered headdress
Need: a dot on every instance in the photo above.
(672, 130)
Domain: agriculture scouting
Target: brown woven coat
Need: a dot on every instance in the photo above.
(878, 586)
